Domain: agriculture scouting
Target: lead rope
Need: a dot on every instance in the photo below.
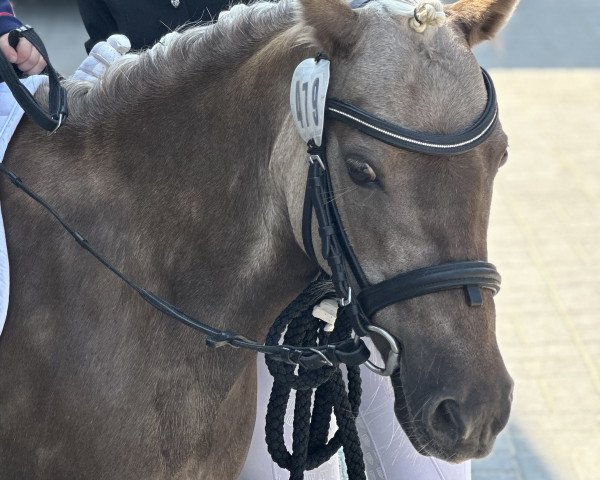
(310, 445)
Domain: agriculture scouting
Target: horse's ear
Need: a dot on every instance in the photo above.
(480, 20)
(334, 23)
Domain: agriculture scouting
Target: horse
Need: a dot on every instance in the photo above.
(184, 167)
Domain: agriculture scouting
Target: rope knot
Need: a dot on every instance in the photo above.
(428, 13)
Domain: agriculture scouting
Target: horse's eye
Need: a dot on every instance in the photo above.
(504, 158)
(361, 172)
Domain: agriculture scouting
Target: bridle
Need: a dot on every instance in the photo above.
(336, 248)
(317, 359)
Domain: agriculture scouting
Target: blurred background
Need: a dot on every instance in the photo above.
(544, 229)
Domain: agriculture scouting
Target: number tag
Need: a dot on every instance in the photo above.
(307, 98)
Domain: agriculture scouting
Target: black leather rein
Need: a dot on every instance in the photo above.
(50, 120)
(350, 352)
(336, 249)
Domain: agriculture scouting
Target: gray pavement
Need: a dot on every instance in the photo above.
(544, 239)
(547, 34)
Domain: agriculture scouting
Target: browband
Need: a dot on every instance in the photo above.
(427, 143)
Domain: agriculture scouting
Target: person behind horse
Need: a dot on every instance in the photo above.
(24, 56)
(153, 20)
(142, 21)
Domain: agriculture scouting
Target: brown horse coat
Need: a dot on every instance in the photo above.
(183, 167)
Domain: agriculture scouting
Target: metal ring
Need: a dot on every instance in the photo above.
(393, 357)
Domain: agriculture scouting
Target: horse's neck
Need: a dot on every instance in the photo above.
(209, 159)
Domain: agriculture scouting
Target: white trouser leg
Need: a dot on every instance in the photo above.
(259, 465)
(388, 453)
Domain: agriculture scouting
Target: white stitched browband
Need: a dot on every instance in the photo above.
(410, 140)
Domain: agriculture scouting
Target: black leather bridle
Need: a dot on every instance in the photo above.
(336, 249)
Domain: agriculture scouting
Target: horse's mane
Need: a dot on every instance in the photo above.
(194, 47)
(209, 48)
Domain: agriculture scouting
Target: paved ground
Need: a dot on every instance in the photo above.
(547, 34)
(545, 240)
(544, 236)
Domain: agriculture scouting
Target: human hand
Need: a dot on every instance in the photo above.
(25, 56)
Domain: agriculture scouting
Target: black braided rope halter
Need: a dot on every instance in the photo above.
(319, 393)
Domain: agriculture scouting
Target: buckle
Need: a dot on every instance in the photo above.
(344, 302)
(312, 158)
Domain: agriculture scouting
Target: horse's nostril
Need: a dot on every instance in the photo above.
(445, 421)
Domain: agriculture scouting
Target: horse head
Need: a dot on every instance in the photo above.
(403, 209)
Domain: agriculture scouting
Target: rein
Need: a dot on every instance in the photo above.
(350, 352)
(58, 110)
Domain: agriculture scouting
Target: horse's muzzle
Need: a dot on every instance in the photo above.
(460, 429)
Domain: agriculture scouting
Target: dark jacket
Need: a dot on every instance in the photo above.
(143, 21)
(7, 20)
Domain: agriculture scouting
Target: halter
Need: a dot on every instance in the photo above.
(336, 249)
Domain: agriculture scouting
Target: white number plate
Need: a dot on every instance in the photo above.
(307, 98)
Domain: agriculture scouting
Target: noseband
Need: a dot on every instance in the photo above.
(336, 249)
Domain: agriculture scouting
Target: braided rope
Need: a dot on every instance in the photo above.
(319, 393)
(422, 14)
(428, 12)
